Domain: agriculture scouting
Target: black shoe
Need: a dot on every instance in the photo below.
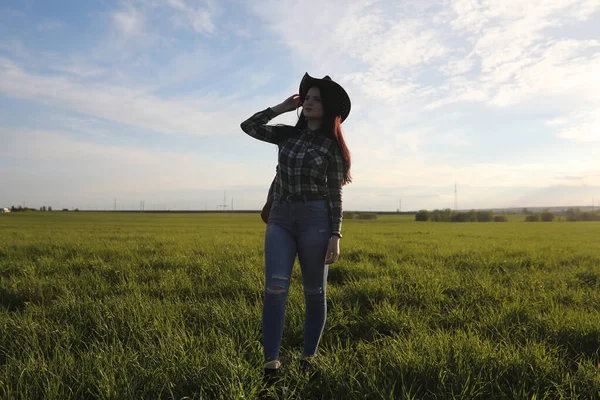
(306, 366)
(271, 376)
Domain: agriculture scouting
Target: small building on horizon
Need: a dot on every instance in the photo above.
(4, 210)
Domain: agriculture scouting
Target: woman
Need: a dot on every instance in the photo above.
(306, 215)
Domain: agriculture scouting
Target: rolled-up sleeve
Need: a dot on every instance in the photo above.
(256, 126)
(335, 177)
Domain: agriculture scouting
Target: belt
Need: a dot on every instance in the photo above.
(303, 197)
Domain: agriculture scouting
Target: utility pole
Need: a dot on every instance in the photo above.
(232, 204)
(115, 204)
(224, 205)
(455, 197)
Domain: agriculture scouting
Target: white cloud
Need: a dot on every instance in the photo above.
(198, 18)
(457, 66)
(386, 51)
(521, 62)
(112, 168)
(580, 126)
(79, 67)
(413, 140)
(389, 46)
(11, 13)
(49, 26)
(426, 171)
(178, 4)
(129, 105)
(56, 164)
(557, 121)
(129, 20)
(453, 138)
(556, 71)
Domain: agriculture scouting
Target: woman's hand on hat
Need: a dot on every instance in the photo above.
(291, 103)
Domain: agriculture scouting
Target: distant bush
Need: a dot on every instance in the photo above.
(444, 215)
(500, 218)
(423, 215)
(547, 216)
(65, 209)
(586, 216)
(22, 209)
(349, 214)
(532, 218)
(575, 214)
(470, 216)
(485, 216)
(366, 216)
(448, 215)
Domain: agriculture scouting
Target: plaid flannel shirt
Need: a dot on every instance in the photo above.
(308, 162)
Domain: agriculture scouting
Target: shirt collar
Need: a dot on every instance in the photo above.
(307, 130)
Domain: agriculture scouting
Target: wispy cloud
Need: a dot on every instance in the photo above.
(129, 20)
(200, 18)
(50, 25)
(132, 105)
(581, 126)
(11, 13)
(137, 169)
(519, 58)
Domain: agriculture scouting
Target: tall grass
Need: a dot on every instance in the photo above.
(119, 306)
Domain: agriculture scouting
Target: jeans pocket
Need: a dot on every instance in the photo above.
(317, 207)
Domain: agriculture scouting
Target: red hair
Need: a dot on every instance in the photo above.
(339, 137)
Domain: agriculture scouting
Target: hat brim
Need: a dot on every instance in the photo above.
(341, 97)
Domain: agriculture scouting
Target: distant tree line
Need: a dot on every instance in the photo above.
(575, 214)
(544, 216)
(448, 215)
(571, 215)
(42, 208)
(22, 209)
(359, 215)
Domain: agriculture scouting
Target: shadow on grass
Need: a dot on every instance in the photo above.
(12, 301)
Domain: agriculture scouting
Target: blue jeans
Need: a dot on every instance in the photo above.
(302, 228)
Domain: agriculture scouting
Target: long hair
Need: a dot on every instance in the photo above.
(331, 126)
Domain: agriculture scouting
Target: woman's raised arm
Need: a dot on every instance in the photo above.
(256, 126)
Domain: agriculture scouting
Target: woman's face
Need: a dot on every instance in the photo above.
(312, 107)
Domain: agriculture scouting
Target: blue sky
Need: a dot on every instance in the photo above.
(142, 100)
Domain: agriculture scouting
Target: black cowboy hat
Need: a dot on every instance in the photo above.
(341, 98)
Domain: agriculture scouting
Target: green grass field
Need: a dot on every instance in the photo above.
(122, 306)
